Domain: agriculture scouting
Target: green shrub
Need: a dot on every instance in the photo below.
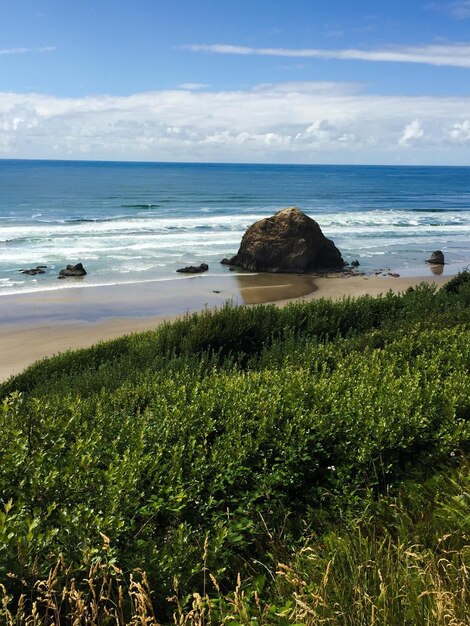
(455, 284)
(233, 433)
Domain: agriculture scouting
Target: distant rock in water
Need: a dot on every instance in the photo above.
(436, 258)
(73, 270)
(191, 269)
(39, 269)
(289, 241)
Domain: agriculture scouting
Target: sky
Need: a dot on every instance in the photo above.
(256, 81)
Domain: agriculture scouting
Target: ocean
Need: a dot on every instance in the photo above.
(131, 222)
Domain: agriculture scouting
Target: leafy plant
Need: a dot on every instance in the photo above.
(242, 434)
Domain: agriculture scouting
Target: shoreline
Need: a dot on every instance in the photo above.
(36, 325)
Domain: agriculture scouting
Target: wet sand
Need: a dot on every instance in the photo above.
(37, 325)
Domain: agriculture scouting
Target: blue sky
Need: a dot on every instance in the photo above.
(299, 81)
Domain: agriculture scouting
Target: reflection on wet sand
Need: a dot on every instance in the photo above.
(263, 288)
(437, 270)
(150, 299)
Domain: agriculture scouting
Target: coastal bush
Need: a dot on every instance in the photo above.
(455, 284)
(404, 560)
(235, 434)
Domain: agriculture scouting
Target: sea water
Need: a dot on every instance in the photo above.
(129, 222)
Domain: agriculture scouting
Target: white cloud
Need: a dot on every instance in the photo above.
(26, 50)
(14, 50)
(312, 87)
(325, 132)
(291, 122)
(456, 55)
(192, 86)
(412, 132)
(460, 132)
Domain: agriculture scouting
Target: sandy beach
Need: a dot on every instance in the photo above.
(41, 324)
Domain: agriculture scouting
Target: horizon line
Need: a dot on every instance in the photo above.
(247, 163)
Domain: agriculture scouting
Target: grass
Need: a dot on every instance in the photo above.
(405, 560)
(191, 461)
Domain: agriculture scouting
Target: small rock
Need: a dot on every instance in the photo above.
(73, 270)
(215, 291)
(355, 263)
(394, 275)
(436, 258)
(225, 262)
(191, 269)
(35, 270)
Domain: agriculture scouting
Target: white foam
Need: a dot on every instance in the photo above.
(151, 225)
(139, 245)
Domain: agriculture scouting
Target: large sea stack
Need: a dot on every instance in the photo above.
(436, 258)
(289, 241)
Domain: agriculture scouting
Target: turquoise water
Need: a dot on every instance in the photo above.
(131, 222)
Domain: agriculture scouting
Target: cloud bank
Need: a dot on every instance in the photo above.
(289, 122)
(455, 55)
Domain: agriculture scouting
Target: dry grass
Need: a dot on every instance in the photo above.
(104, 597)
(396, 585)
(399, 585)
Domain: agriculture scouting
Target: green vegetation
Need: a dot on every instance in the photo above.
(301, 465)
